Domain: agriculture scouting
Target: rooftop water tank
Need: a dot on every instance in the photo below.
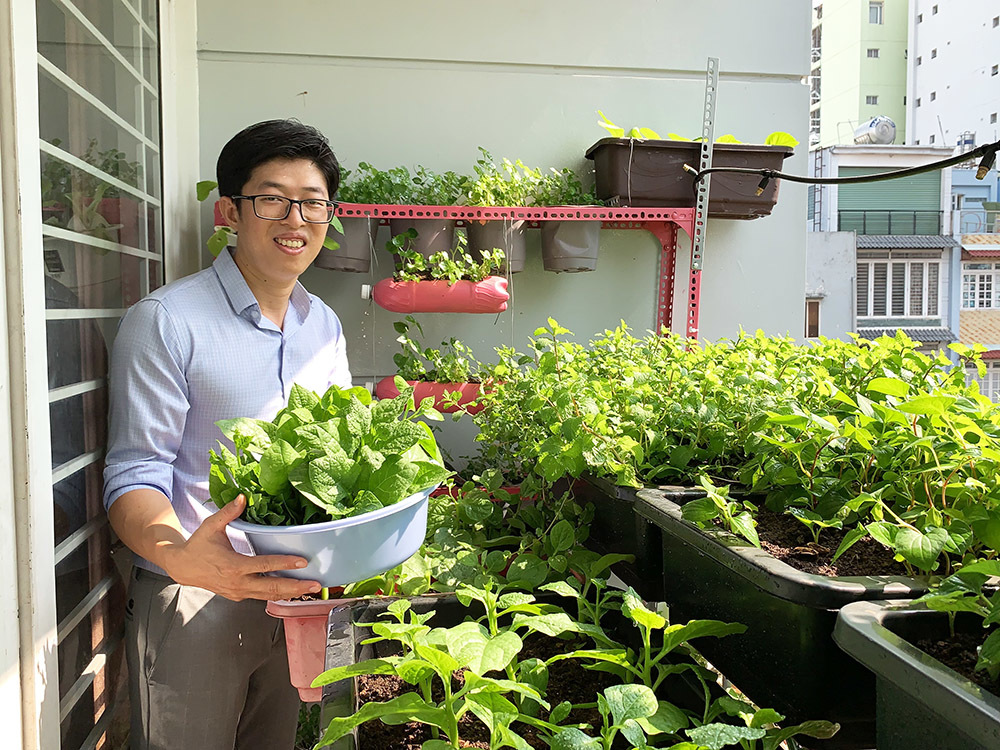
(878, 130)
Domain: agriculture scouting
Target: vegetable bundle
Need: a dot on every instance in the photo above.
(326, 458)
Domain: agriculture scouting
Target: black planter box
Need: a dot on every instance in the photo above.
(651, 173)
(617, 528)
(787, 659)
(919, 701)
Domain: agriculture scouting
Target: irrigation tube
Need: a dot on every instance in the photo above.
(988, 152)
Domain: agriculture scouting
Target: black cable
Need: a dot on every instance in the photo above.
(987, 151)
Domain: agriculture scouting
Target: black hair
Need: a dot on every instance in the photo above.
(274, 139)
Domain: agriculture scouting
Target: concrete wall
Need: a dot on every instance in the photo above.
(426, 83)
(831, 265)
(966, 92)
(849, 76)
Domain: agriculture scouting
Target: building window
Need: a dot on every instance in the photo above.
(873, 52)
(920, 17)
(934, 11)
(933, 95)
(920, 60)
(875, 12)
(931, 139)
(871, 100)
(996, 21)
(980, 286)
(933, 53)
(989, 383)
(903, 288)
(993, 118)
(918, 101)
(995, 70)
(812, 318)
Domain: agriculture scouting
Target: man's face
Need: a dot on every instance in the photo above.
(278, 251)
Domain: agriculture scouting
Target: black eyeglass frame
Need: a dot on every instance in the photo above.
(331, 205)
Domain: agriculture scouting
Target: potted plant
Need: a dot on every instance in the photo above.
(353, 237)
(447, 376)
(447, 281)
(511, 184)
(397, 186)
(645, 170)
(338, 479)
(567, 246)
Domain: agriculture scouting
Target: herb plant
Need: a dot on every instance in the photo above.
(452, 363)
(451, 266)
(328, 457)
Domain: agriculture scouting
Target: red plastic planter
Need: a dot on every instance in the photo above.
(486, 296)
(386, 388)
(305, 640)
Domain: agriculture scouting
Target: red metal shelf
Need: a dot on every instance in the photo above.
(663, 223)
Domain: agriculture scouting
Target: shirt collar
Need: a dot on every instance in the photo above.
(241, 298)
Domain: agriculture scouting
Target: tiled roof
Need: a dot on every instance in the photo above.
(904, 241)
(979, 327)
(980, 252)
(992, 354)
(924, 334)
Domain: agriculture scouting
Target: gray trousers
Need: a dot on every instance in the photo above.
(205, 672)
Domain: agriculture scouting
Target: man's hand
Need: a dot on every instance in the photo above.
(207, 560)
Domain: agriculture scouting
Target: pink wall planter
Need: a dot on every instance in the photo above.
(305, 640)
(386, 388)
(486, 296)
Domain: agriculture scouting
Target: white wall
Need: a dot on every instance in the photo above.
(968, 46)
(831, 265)
(426, 83)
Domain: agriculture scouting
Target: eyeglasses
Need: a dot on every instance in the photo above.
(277, 207)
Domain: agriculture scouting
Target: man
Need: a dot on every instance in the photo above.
(207, 666)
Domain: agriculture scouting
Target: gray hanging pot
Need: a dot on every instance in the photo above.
(355, 252)
(501, 233)
(433, 235)
(570, 246)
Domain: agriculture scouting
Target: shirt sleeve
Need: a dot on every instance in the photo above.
(148, 403)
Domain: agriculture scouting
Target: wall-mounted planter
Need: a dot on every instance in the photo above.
(433, 235)
(508, 235)
(356, 243)
(469, 392)
(305, 639)
(787, 659)
(651, 173)
(570, 246)
(921, 703)
(486, 296)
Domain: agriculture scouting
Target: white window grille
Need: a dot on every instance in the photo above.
(980, 286)
(875, 12)
(898, 288)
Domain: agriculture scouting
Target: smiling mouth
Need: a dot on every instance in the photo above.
(291, 244)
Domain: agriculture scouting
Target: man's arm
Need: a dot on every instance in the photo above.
(145, 521)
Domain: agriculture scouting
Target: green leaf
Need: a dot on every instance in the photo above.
(204, 189)
(275, 463)
(718, 736)
(850, 538)
(989, 652)
(444, 664)
(633, 607)
(391, 482)
(400, 707)
(781, 138)
(527, 571)
(675, 635)
(630, 702)
(884, 533)
(574, 739)
(357, 418)
(668, 719)
(934, 405)
(370, 666)
(921, 549)
(259, 431)
(820, 730)
(560, 712)
(562, 588)
(889, 386)
(743, 524)
(700, 511)
(302, 398)
(563, 536)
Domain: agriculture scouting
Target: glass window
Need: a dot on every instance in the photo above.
(933, 53)
(873, 52)
(98, 87)
(871, 100)
(898, 288)
(875, 12)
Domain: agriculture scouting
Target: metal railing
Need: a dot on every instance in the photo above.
(891, 222)
(976, 221)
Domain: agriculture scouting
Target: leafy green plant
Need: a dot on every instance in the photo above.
(735, 515)
(327, 457)
(451, 266)
(777, 138)
(510, 184)
(397, 186)
(452, 363)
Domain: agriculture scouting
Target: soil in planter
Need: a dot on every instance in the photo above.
(790, 541)
(568, 680)
(960, 654)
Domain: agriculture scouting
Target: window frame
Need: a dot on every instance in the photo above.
(876, 12)
(865, 304)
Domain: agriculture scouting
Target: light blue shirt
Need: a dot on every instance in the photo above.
(197, 351)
